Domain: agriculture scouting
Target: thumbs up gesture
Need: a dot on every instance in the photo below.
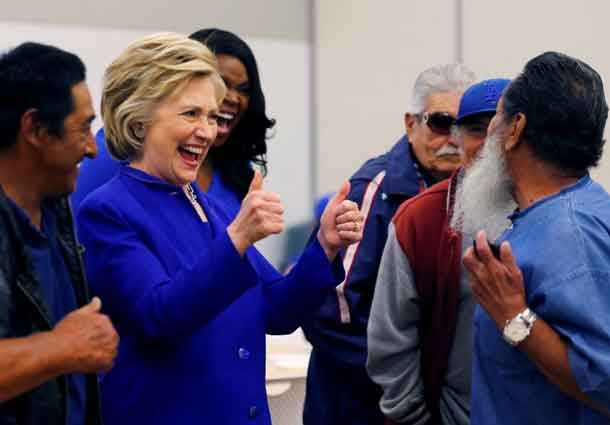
(261, 214)
(341, 223)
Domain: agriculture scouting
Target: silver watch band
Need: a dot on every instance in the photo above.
(528, 316)
(524, 322)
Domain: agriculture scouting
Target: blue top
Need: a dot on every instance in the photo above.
(58, 295)
(345, 340)
(562, 246)
(223, 194)
(191, 313)
(94, 173)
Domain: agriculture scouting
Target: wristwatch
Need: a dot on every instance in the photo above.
(519, 327)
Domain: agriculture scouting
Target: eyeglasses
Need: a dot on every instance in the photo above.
(438, 122)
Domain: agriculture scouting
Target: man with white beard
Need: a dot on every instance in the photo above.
(484, 195)
(542, 327)
(339, 391)
(420, 326)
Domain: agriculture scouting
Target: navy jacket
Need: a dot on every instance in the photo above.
(192, 314)
(379, 187)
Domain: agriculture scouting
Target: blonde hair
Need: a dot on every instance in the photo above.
(147, 72)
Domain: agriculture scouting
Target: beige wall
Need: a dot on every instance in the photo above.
(368, 54)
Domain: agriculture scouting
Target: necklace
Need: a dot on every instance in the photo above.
(192, 197)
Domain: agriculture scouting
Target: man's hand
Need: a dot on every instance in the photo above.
(261, 214)
(340, 224)
(89, 339)
(497, 285)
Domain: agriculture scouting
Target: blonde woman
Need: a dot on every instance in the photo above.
(189, 295)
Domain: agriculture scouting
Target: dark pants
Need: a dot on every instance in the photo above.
(340, 394)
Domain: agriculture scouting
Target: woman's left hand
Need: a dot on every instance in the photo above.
(341, 223)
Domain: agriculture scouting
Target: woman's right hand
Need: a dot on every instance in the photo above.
(261, 214)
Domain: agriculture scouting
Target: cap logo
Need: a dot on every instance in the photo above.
(491, 93)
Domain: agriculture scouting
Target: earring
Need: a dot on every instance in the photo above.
(138, 130)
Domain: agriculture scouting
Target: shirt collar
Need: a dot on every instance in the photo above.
(48, 228)
(583, 181)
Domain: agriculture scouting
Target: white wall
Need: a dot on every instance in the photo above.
(499, 38)
(369, 53)
(276, 19)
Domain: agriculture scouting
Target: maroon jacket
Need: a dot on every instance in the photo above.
(434, 253)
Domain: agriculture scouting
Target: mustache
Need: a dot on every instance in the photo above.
(449, 150)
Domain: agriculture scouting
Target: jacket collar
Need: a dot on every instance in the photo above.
(403, 176)
(147, 179)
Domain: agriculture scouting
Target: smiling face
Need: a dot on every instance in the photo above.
(180, 133)
(237, 99)
(61, 155)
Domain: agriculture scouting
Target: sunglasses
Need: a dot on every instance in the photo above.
(438, 122)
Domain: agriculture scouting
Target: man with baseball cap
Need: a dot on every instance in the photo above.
(420, 327)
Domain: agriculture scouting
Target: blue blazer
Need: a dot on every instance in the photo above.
(191, 313)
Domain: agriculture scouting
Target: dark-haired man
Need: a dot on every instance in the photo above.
(542, 328)
(339, 391)
(49, 347)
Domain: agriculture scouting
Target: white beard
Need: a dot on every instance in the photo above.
(484, 196)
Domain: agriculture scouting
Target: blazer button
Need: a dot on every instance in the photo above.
(243, 353)
(252, 412)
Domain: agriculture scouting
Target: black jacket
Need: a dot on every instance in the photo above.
(22, 313)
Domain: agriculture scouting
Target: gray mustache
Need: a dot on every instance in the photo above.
(448, 150)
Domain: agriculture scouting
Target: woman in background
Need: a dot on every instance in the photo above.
(242, 121)
(242, 129)
(189, 295)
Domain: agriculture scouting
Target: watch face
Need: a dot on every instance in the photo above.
(516, 331)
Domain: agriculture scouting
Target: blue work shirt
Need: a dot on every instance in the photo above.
(56, 289)
(562, 246)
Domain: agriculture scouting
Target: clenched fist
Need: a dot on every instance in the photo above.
(261, 214)
(90, 338)
(341, 223)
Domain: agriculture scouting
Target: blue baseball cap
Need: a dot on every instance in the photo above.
(481, 97)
